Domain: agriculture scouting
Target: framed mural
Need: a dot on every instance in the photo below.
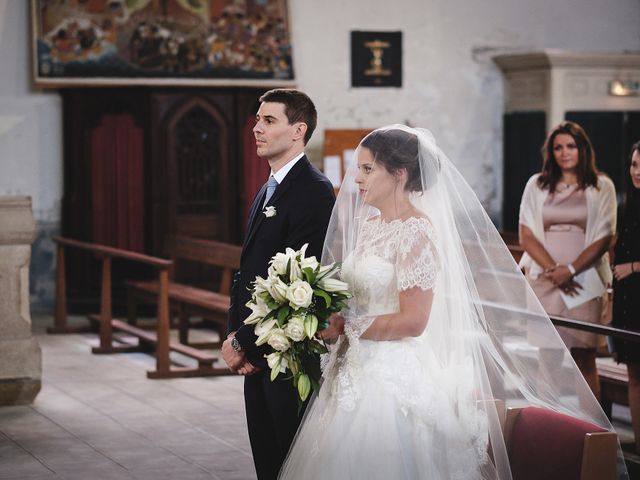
(161, 42)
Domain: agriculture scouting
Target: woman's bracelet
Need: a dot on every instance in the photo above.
(572, 269)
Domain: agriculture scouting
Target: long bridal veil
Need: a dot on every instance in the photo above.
(488, 342)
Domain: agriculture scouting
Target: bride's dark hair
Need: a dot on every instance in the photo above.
(396, 150)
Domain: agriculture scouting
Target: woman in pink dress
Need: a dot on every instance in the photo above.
(567, 222)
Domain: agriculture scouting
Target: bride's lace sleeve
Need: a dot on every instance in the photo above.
(417, 262)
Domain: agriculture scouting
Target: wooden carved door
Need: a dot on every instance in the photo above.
(199, 190)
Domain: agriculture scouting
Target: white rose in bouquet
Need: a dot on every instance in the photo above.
(299, 294)
(294, 329)
(278, 340)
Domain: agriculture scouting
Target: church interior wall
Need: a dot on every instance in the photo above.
(450, 85)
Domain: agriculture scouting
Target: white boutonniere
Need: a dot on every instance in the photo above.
(269, 212)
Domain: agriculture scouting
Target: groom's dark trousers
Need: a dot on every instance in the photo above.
(303, 204)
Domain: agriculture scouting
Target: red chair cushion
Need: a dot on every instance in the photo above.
(547, 445)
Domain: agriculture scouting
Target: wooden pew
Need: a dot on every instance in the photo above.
(548, 442)
(186, 300)
(614, 383)
(613, 377)
(513, 244)
(614, 380)
(110, 328)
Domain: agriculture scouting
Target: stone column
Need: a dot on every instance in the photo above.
(20, 356)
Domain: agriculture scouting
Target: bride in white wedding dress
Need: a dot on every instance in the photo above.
(435, 338)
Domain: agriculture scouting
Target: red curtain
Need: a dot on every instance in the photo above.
(117, 181)
(256, 170)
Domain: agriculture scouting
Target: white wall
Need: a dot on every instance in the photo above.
(450, 84)
(30, 144)
(30, 121)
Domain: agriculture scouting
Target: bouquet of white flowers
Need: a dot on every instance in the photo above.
(289, 307)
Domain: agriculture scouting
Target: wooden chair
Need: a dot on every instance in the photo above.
(546, 445)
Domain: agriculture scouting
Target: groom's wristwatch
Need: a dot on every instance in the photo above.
(235, 344)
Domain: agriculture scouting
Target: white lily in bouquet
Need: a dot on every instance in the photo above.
(289, 307)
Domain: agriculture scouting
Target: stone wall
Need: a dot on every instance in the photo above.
(20, 356)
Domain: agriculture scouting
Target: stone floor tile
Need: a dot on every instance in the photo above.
(99, 417)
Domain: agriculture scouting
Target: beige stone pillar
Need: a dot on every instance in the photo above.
(20, 356)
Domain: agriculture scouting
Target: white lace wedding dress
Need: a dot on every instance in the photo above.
(390, 409)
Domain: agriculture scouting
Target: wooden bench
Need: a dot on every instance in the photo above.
(186, 301)
(111, 340)
(513, 244)
(614, 383)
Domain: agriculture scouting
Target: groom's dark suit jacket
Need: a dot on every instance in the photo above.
(303, 203)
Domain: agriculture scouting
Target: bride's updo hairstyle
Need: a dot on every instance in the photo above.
(396, 150)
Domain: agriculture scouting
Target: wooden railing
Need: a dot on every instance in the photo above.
(107, 323)
(614, 380)
(630, 335)
(161, 339)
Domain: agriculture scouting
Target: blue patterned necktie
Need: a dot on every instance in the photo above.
(271, 187)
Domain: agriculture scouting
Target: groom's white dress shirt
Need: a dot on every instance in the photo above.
(280, 174)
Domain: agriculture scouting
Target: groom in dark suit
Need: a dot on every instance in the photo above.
(291, 209)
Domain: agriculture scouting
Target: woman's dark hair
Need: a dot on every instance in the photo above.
(298, 107)
(397, 150)
(586, 171)
(632, 194)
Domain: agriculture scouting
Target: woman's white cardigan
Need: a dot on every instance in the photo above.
(601, 221)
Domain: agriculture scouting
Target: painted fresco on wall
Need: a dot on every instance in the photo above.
(161, 42)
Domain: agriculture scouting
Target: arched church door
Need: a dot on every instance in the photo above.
(199, 190)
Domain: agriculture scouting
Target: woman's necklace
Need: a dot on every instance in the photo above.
(563, 185)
